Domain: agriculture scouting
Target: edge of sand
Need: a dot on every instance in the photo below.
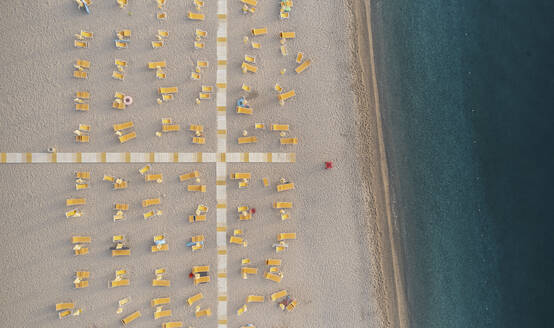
(372, 161)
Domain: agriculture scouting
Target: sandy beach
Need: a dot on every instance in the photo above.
(341, 268)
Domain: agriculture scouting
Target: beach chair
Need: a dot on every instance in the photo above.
(193, 299)
(145, 169)
(86, 35)
(64, 314)
(160, 74)
(82, 63)
(284, 50)
(118, 104)
(80, 74)
(156, 65)
(279, 127)
(80, 250)
(245, 217)
(121, 252)
(200, 268)
(285, 187)
(241, 209)
(152, 214)
(65, 306)
(75, 201)
(197, 218)
(287, 35)
(167, 90)
(247, 140)
(119, 282)
(291, 306)
(157, 44)
(201, 280)
(121, 207)
(289, 141)
(131, 317)
(198, 140)
(250, 59)
(153, 178)
(245, 271)
(163, 33)
(202, 64)
(244, 110)
(160, 313)
(80, 44)
(123, 34)
(259, 31)
(82, 107)
(246, 67)
(273, 277)
(151, 202)
(159, 248)
(203, 313)
(120, 44)
(172, 324)
(277, 295)
(167, 97)
(265, 182)
(195, 76)
(242, 309)
(188, 176)
(121, 3)
(73, 213)
(120, 185)
(201, 188)
(118, 76)
(82, 94)
(161, 15)
(82, 175)
(299, 57)
(240, 175)
(161, 283)
(273, 262)
(207, 88)
(170, 127)
(200, 33)
(195, 16)
(204, 96)
(198, 45)
(81, 240)
(303, 66)
(286, 236)
(123, 126)
(81, 284)
(197, 242)
(284, 96)
(126, 137)
(255, 299)
(237, 241)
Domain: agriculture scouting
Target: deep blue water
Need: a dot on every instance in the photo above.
(467, 96)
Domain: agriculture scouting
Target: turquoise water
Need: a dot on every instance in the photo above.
(467, 103)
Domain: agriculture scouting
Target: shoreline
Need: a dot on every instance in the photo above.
(375, 173)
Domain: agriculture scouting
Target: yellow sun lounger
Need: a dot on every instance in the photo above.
(204, 95)
(86, 35)
(195, 16)
(273, 262)
(196, 128)
(285, 187)
(236, 240)
(161, 283)
(118, 75)
(82, 138)
(83, 63)
(65, 306)
(250, 59)
(191, 300)
(120, 62)
(255, 299)
(121, 252)
(200, 33)
(160, 248)
(240, 175)
(157, 44)
(246, 217)
(203, 313)
(80, 44)
(121, 44)
(160, 74)
(121, 185)
(245, 271)
(197, 218)
(286, 95)
(198, 45)
(247, 140)
(82, 94)
(124, 34)
(162, 15)
(201, 188)
(82, 107)
(119, 282)
(81, 284)
(303, 66)
(289, 141)
(265, 182)
(80, 74)
(156, 65)
(126, 137)
(198, 140)
(244, 110)
(152, 214)
(246, 67)
(64, 314)
(79, 250)
(159, 313)
(167, 90)
(287, 35)
(250, 2)
(123, 126)
(172, 324)
(277, 295)
(299, 57)
(201, 280)
(279, 127)
(256, 45)
(163, 33)
(187, 176)
(82, 175)
(121, 207)
(131, 317)
(81, 239)
(117, 104)
(286, 236)
(259, 31)
(202, 63)
(151, 201)
(153, 177)
(200, 268)
(75, 201)
(282, 205)
(273, 277)
(160, 301)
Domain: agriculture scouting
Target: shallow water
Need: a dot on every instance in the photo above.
(466, 90)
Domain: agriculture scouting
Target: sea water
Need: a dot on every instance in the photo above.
(467, 100)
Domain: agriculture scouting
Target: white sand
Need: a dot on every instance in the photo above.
(333, 269)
